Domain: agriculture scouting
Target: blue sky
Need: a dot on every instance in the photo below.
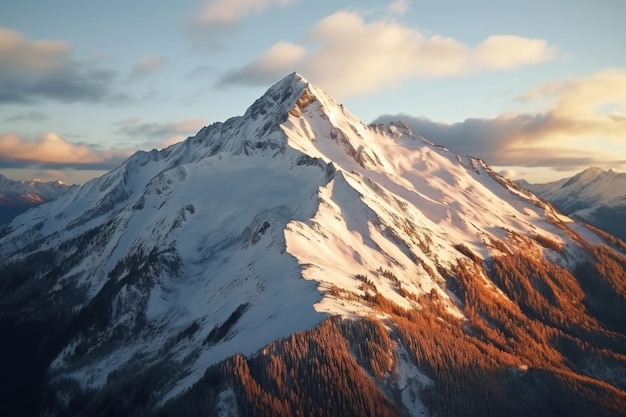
(536, 88)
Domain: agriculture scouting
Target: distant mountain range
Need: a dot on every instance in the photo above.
(294, 261)
(18, 196)
(595, 196)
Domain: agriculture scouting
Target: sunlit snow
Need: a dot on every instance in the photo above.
(296, 188)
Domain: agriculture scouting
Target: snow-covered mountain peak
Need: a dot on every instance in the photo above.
(260, 226)
(278, 99)
(588, 175)
(47, 190)
(18, 196)
(593, 170)
(595, 195)
(592, 181)
(291, 96)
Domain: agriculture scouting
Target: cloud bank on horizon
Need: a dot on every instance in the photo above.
(50, 151)
(564, 136)
(551, 118)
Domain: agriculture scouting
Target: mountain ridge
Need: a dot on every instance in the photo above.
(594, 195)
(18, 196)
(289, 236)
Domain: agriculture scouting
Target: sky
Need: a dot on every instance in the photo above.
(535, 88)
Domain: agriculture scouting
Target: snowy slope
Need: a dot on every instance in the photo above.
(254, 229)
(398, 199)
(594, 195)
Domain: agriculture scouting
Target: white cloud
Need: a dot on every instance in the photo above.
(51, 150)
(398, 7)
(584, 98)
(229, 12)
(348, 56)
(217, 18)
(147, 65)
(503, 52)
(581, 126)
(281, 58)
(508, 173)
(19, 55)
(159, 135)
(31, 70)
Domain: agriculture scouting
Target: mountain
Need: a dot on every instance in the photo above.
(18, 196)
(595, 196)
(294, 261)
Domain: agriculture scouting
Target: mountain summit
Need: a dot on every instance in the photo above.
(295, 261)
(18, 196)
(595, 196)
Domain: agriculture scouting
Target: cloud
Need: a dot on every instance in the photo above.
(32, 70)
(276, 60)
(159, 134)
(218, 17)
(227, 12)
(579, 102)
(51, 151)
(497, 140)
(30, 116)
(582, 125)
(506, 52)
(398, 8)
(202, 71)
(147, 65)
(478, 137)
(508, 173)
(348, 56)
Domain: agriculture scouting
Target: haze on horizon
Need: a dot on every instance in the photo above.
(537, 89)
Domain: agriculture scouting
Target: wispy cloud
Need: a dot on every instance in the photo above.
(29, 116)
(583, 124)
(218, 17)
(348, 56)
(51, 151)
(146, 66)
(202, 71)
(229, 12)
(159, 135)
(44, 69)
(398, 7)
